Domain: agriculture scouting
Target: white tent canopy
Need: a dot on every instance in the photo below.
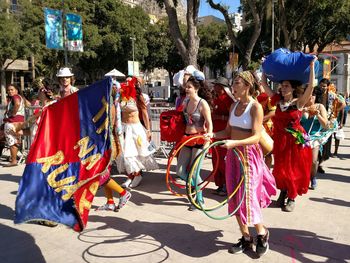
(114, 73)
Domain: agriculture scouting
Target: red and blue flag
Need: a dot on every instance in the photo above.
(71, 150)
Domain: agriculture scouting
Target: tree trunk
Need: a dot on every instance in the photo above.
(3, 87)
(193, 39)
(283, 24)
(171, 75)
(245, 49)
(293, 33)
(188, 54)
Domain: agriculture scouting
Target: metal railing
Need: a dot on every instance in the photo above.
(26, 139)
(161, 146)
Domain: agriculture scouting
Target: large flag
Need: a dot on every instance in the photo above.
(74, 32)
(70, 152)
(53, 28)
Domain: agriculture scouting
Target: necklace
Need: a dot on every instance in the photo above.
(285, 105)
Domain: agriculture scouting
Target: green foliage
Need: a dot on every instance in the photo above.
(17, 40)
(107, 28)
(162, 50)
(329, 21)
(214, 46)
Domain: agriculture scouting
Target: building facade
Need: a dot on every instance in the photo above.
(339, 56)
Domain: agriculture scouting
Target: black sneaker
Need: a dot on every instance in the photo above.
(241, 246)
(320, 170)
(282, 197)
(262, 245)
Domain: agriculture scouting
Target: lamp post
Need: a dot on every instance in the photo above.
(133, 54)
(64, 36)
(273, 27)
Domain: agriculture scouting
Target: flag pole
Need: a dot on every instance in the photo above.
(64, 36)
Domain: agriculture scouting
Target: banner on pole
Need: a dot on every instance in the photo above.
(53, 28)
(74, 28)
(327, 69)
(133, 68)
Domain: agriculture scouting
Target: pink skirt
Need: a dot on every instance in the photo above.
(260, 184)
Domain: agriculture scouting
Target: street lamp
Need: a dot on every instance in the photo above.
(273, 27)
(133, 54)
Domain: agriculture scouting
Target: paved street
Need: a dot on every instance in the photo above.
(156, 226)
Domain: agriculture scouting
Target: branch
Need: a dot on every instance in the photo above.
(283, 22)
(174, 27)
(8, 64)
(301, 20)
(228, 21)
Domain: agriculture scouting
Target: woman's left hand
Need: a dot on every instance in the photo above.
(229, 144)
(208, 136)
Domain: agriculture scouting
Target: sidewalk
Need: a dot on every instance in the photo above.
(156, 226)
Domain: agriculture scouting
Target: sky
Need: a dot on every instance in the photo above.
(206, 10)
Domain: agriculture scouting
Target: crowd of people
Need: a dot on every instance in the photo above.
(302, 118)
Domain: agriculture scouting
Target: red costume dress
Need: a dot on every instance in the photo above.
(220, 115)
(293, 157)
(265, 102)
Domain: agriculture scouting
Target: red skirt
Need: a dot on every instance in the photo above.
(292, 164)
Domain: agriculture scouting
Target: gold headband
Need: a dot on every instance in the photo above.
(247, 76)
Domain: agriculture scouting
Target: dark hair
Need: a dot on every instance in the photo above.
(49, 88)
(318, 94)
(203, 89)
(13, 85)
(325, 81)
(295, 85)
(139, 98)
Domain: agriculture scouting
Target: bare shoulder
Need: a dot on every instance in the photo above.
(204, 103)
(256, 106)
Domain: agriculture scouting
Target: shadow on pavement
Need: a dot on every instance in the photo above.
(334, 177)
(10, 178)
(331, 201)
(183, 238)
(297, 243)
(339, 168)
(17, 246)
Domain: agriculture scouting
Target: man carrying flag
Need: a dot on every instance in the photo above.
(71, 151)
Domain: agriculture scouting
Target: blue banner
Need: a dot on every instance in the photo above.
(70, 154)
(53, 28)
(74, 32)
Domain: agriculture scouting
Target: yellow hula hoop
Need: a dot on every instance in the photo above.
(194, 168)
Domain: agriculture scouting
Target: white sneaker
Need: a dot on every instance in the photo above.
(106, 207)
(136, 181)
(124, 199)
(127, 183)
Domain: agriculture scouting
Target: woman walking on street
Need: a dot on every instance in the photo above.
(136, 151)
(244, 131)
(314, 120)
(196, 110)
(292, 154)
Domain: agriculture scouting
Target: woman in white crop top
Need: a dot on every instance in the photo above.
(244, 130)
